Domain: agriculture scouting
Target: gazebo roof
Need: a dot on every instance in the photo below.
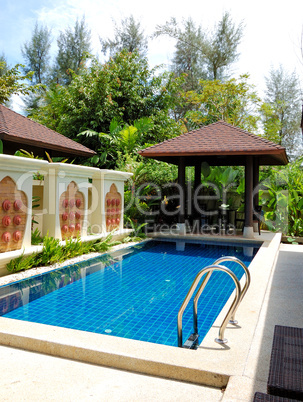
(219, 143)
(17, 131)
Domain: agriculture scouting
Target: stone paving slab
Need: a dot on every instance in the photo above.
(30, 376)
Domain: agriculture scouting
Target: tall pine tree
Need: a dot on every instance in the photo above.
(200, 54)
(3, 64)
(220, 47)
(281, 112)
(36, 54)
(74, 46)
(128, 36)
(188, 56)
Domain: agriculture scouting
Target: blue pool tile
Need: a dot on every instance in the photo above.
(137, 295)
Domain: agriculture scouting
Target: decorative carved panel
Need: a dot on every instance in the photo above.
(71, 210)
(13, 215)
(113, 208)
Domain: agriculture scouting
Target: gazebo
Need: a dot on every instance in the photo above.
(17, 131)
(220, 144)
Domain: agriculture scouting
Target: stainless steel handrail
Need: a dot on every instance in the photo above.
(203, 284)
(209, 269)
(245, 287)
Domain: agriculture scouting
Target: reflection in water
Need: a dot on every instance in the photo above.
(248, 251)
(23, 292)
(180, 245)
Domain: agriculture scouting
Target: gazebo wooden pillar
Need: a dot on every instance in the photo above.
(256, 181)
(248, 225)
(181, 182)
(198, 171)
(197, 183)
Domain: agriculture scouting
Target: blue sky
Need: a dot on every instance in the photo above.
(271, 37)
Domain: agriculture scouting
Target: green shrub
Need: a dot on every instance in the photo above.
(283, 204)
(36, 237)
(75, 247)
(20, 263)
(102, 246)
(53, 252)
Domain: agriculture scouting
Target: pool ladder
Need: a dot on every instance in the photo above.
(192, 341)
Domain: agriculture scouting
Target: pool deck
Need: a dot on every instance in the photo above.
(62, 364)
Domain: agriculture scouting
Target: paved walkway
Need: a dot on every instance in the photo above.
(29, 376)
(282, 306)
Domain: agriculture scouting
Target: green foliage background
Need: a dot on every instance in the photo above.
(122, 105)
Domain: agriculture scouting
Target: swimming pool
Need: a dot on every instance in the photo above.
(133, 293)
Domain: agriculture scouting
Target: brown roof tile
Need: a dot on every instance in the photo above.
(216, 139)
(17, 128)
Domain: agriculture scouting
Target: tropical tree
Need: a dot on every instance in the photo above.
(281, 111)
(36, 54)
(121, 138)
(13, 82)
(3, 64)
(220, 47)
(48, 107)
(74, 46)
(188, 56)
(270, 122)
(124, 89)
(200, 53)
(282, 196)
(234, 101)
(128, 35)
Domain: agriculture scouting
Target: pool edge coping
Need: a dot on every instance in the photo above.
(136, 356)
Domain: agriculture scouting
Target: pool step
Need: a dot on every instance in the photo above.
(192, 342)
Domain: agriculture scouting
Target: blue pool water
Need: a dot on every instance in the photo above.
(133, 293)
